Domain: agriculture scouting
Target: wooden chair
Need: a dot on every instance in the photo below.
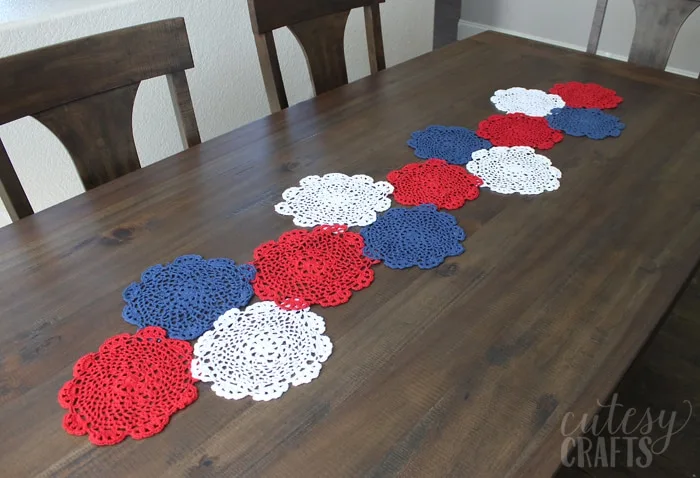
(319, 26)
(84, 92)
(658, 24)
(446, 22)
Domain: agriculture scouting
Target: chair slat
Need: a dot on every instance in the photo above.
(658, 23)
(269, 15)
(11, 193)
(322, 42)
(97, 133)
(319, 26)
(84, 91)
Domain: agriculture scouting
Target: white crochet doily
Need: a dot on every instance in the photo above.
(336, 199)
(260, 350)
(514, 170)
(529, 102)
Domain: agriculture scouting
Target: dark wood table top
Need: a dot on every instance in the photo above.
(465, 370)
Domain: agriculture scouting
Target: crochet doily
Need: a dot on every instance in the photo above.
(419, 236)
(322, 266)
(335, 199)
(586, 95)
(130, 387)
(454, 144)
(529, 102)
(260, 351)
(517, 129)
(515, 170)
(592, 123)
(186, 296)
(434, 182)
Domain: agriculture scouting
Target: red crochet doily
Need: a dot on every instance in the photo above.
(434, 182)
(586, 95)
(518, 129)
(303, 268)
(130, 387)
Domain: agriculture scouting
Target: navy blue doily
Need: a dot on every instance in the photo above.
(454, 144)
(590, 122)
(186, 296)
(418, 236)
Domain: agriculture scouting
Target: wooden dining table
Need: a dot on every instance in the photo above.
(465, 370)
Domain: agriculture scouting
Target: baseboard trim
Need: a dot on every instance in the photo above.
(467, 29)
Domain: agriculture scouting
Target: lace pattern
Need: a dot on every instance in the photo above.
(418, 236)
(335, 199)
(434, 182)
(260, 351)
(454, 144)
(517, 129)
(529, 102)
(592, 123)
(130, 387)
(586, 95)
(303, 268)
(186, 296)
(515, 170)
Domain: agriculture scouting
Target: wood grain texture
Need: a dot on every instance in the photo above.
(11, 193)
(271, 72)
(184, 109)
(48, 77)
(375, 39)
(97, 133)
(84, 92)
(464, 370)
(269, 15)
(319, 26)
(658, 23)
(322, 40)
(664, 377)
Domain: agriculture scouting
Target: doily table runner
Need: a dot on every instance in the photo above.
(586, 95)
(186, 296)
(517, 129)
(592, 123)
(529, 102)
(130, 387)
(515, 170)
(419, 236)
(454, 144)
(335, 199)
(302, 268)
(434, 182)
(260, 351)
(134, 383)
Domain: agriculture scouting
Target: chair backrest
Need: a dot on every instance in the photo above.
(658, 24)
(319, 26)
(84, 92)
(446, 22)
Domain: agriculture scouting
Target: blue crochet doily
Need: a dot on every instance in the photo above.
(419, 236)
(454, 144)
(186, 296)
(589, 122)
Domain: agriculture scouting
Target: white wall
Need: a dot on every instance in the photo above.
(226, 82)
(568, 23)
